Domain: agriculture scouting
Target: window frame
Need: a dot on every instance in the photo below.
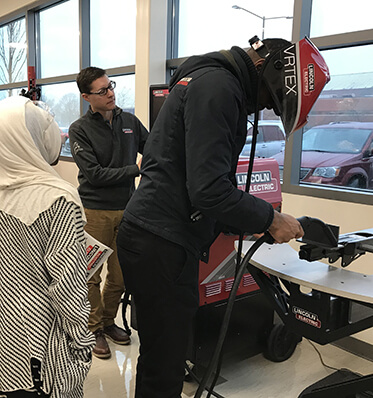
(301, 28)
(292, 159)
(31, 15)
(23, 83)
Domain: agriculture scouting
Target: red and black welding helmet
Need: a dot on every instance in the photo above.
(295, 75)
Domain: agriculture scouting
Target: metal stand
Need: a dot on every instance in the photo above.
(339, 303)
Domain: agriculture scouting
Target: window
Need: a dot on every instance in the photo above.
(273, 133)
(330, 17)
(270, 139)
(63, 99)
(9, 93)
(349, 94)
(113, 33)
(340, 170)
(209, 25)
(13, 48)
(125, 92)
(56, 32)
(58, 54)
(336, 141)
(338, 154)
(59, 39)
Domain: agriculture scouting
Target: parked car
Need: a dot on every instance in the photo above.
(338, 154)
(270, 140)
(64, 131)
(66, 150)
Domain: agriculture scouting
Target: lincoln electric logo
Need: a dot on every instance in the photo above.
(290, 71)
(184, 81)
(261, 181)
(76, 147)
(307, 317)
(309, 79)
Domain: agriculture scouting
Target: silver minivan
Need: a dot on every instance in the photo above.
(271, 139)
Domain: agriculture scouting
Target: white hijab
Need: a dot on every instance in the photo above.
(29, 142)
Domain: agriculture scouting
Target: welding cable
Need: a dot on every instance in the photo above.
(196, 379)
(241, 235)
(248, 179)
(216, 360)
(266, 238)
(217, 374)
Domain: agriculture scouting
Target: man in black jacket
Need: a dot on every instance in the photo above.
(105, 143)
(187, 192)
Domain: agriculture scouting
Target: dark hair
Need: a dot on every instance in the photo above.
(87, 76)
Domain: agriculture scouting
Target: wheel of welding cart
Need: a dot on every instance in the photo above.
(281, 343)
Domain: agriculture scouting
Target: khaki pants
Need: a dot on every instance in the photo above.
(103, 225)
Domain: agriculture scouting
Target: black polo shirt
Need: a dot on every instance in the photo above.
(106, 157)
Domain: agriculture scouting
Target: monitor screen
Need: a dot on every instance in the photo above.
(158, 95)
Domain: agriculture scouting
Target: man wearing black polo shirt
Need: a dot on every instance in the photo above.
(105, 143)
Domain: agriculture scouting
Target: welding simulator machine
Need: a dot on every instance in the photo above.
(251, 330)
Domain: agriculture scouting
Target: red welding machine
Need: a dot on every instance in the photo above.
(252, 320)
(217, 276)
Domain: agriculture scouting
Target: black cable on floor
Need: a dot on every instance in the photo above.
(198, 381)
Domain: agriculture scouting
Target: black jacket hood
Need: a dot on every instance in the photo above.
(235, 60)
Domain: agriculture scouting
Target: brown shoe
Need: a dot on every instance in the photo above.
(117, 335)
(101, 349)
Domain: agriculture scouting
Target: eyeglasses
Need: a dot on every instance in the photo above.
(103, 91)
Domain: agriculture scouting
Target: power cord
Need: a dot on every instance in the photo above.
(320, 356)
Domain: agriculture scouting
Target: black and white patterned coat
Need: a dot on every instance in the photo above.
(43, 301)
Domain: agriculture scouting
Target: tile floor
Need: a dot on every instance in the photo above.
(254, 377)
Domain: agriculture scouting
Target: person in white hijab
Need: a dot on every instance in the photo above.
(45, 345)
(30, 143)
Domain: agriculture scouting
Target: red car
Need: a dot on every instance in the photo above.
(64, 131)
(338, 154)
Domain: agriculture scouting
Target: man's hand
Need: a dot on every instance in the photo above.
(285, 227)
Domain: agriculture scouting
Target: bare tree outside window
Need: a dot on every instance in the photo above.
(125, 99)
(67, 109)
(13, 52)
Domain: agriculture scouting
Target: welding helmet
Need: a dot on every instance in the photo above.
(295, 75)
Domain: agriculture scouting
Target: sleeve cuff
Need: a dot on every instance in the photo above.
(134, 170)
